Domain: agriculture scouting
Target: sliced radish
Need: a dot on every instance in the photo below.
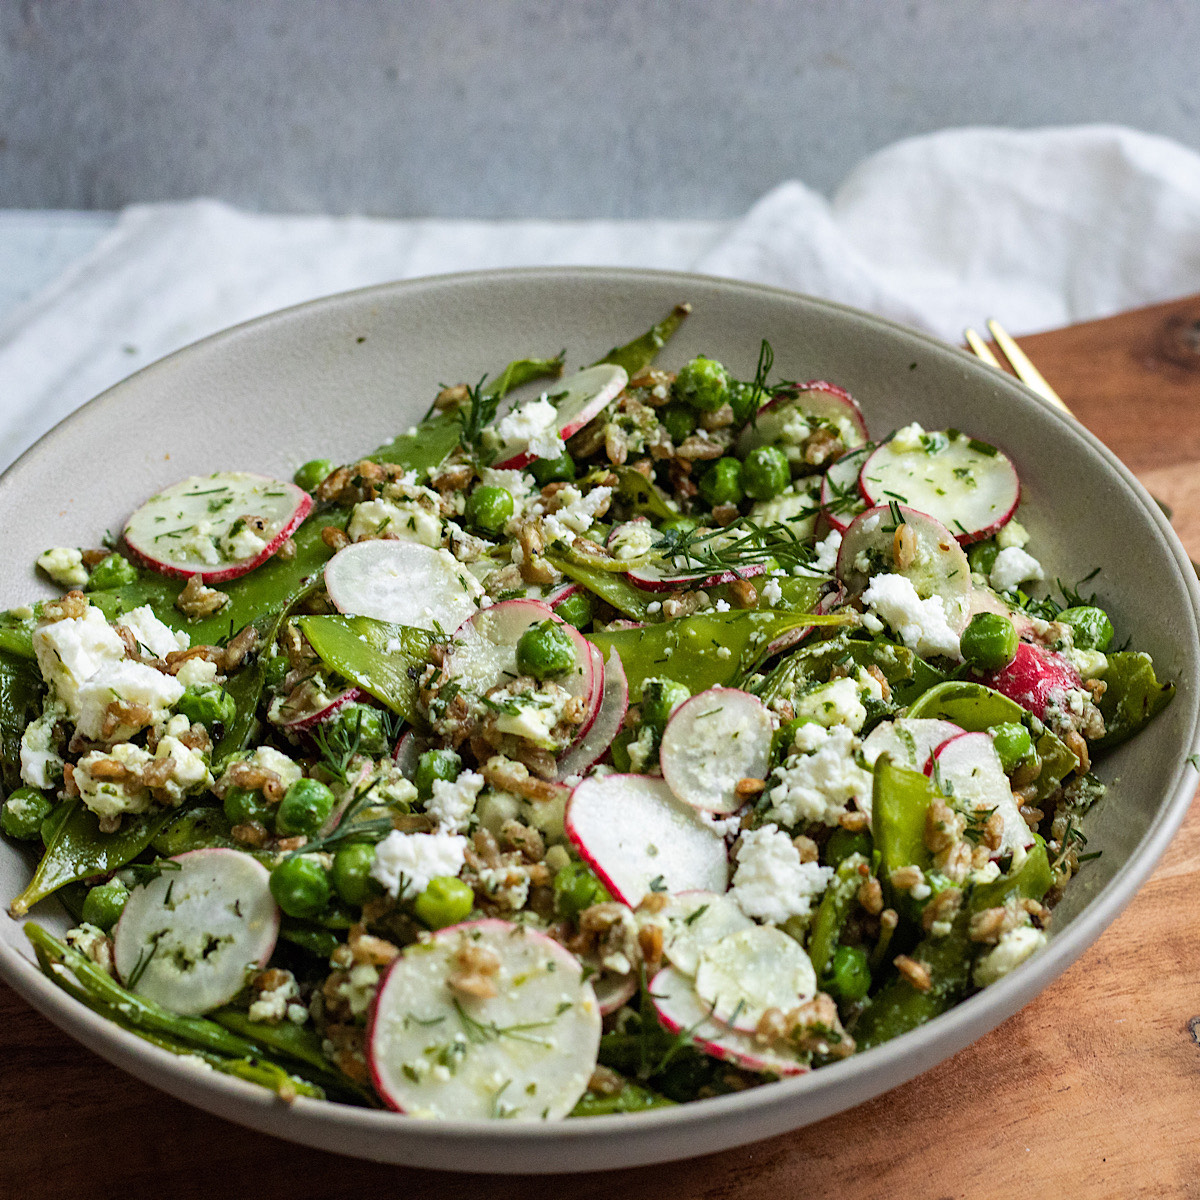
(404, 583)
(613, 990)
(631, 540)
(789, 419)
(712, 741)
(526, 1053)
(216, 526)
(564, 591)
(681, 1010)
(186, 939)
(741, 975)
(591, 747)
(967, 769)
(638, 837)
(938, 566)
(654, 578)
(841, 501)
(1035, 678)
(304, 719)
(969, 486)
(695, 920)
(909, 740)
(408, 753)
(577, 400)
(793, 637)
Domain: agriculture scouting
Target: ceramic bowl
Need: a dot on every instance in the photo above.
(338, 376)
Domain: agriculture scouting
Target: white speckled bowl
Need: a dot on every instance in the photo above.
(336, 377)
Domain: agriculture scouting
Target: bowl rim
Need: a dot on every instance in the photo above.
(899, 1060)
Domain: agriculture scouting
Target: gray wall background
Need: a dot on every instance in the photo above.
(499, 108)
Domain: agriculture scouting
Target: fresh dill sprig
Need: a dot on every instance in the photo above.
(741, 544)
(476, 415)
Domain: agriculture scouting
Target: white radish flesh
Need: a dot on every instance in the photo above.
(970, 486)
(591, 747)
(404, 583)
(638, 837)
(216, 526)
(713, 741)
(743, 974)
(577, 400)
(680, 1009)
(525, 1053)
(653, 578)
(305, 719)
(841, 501)
(613, 990)
(967, 769)
(695, 920)
(187, 938)
(908, 740)
(790, 419)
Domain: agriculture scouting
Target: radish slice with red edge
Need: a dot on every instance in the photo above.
(967, 770)
(695, 920)
(908, 740)
(938, 567)
(793, 637)
(652, 578)
(436, 1052)
(968, 485)
(216, 526)
(841, 501)
(740, 976)
(681, 1010)
(298, 722)
(577, 401)
(564, 591)
(404, 583)
(712, 741)
(186, 938)
(613, 990)
(793, 416)
(1035, 678)
(631, 540)
(592, 746)
(638, 837)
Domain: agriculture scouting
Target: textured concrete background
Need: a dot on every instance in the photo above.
(497, 108)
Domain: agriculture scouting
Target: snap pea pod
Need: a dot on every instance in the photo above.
(628, 600)
(1132, 698)
(900, 801)
(704, 650)
(20, 703)
(434, 438)
(833, 911)
(318, 942)
(379, 657)
(641, 352)
(295, 1041)
(78, 850)
(813, 663)
(194, 829)
(631, 1098)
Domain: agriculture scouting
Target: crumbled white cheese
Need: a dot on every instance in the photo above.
(518, 484)
(41, 765)
(64, 565)
(1014, 567)
(908, 438)
(404, 863)
(631, 540)
(452, 803)
(535, 424)
(1090, 664)
(825, 553)
(70, 652)
(819, 783)
(833, 703)
(189, 770)
(797, 505)
(194, 672)
(1013, 534)
(771, 883)
(239, 542)
(131, 683)
(641, 750)
(507, 886)
(771, 592)
(576, 512)
(721, 606)
(108, 797)
(411, 520)
(1010, 952)
(155, 637)
(531, 715)
(270, 759)
(271, 1007)
(920, 624)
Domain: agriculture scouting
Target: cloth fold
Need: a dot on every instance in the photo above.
(1039, 228)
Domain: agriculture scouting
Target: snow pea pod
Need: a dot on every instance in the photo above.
(20, 703)
(641, 352)
(79, 850)
(631, 1098)
(813, 663)
(614, 588)
(900, 800)
(298, 1042)
(833, 911)
(1132, 698)
(379, 657)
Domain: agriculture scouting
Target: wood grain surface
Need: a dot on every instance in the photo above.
(1093, 1090)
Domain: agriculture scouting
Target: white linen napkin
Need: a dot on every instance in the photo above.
(1039, 228)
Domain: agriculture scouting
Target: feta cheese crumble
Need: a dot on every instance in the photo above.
(833, 703)
(771, 883)
(64, 565)
(1014, 567)
(155, 638)
(1010, 952)
(920, 624)
(404, 863)
(535, 424)
(818, 784)
(452, 803)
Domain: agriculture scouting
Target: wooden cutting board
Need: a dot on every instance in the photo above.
(1090, 1091)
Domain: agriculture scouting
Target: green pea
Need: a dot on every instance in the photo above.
(660, 698)
(702, 384)
(678, 421)
(208, 703)
(989, 641)
(23, 813)
(765, 472)
(981, 557)
(722, 482)
(436, 764)
(1090, 625)
(305, 807)
(103, 904)
(312, 473)
(553, 470)
(849, 975)
(679, 525)
(300, 886)
(446, 900)
(1013, 744)
(351, 872)
(275, 668)
(489, 509)
(576, 609)
(243, 807)
(576, 888)
(842, 843)
(111, 572)
(545, 650)
(361, 725)
(743, 399)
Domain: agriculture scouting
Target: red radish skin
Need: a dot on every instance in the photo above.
(1033, 678)
(593, 745)
(817, 398)
(793, 637)
(851, 460)
(310, 720)
(563, 592)
(651, 579)
(614, 990)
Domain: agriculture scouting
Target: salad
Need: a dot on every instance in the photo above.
(656, 737)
